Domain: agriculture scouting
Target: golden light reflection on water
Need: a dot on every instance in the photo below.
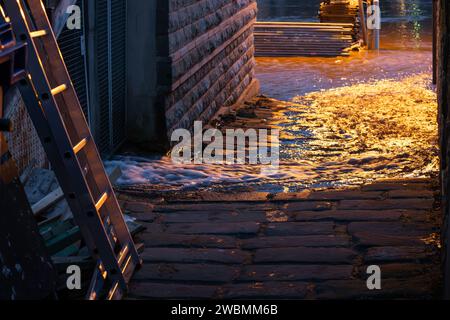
(353, 119)
(367, 131)
(333, 138)
(353, 134)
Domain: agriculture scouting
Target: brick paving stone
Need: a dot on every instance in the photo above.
(390, 254)
(296, 241)
(391, 228)
(139, 207)
(295, 272)
(405, 269)
(291, 196)
(223, 197)
(421, 287)
(150, 290)
(266, 290)
(388, 186)
(346, 195)
(153, 228)
(214, 207)
(307, 206)
(187, 272)
(351, 215)
(214, 217)
(408, 181)
(247, 228)
(305, 255)
(420, 216)
(300, 228)
(410, 194)
(144, 216)
(225, 256)
(415, 204)
(368, 238)
(308, 245)
(190, 241)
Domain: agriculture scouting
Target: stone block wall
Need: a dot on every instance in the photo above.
(206, 55)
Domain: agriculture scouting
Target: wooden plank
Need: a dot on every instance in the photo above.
(57, 195)
(63, 240)
(47, 201)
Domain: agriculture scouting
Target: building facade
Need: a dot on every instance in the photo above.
(203, 59)
(142, 69)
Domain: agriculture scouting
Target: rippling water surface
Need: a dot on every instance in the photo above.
(406, 44)
(343, 121)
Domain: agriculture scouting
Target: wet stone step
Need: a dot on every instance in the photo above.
(214, 207)
(300, 228)
(187, 272)
(295, 272)
(296, 241)
(405, 269)
(139, 207)
(351, 215)
(223, 197)
(390, 254)
(266, 290)
(346, 195)
(248, 228)
(391, 228)
(421, 287)
(305, 255)
(144, 216)
(195, 255)
(307, 206)
(149, 290)
(417, 204)
(188, 241)
(420, 194)
(214, 217)
(367, 239)
(388, 186)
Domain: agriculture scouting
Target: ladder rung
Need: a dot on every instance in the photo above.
(124, 261)
(59, 89)
(39, 33)
(113, 291)
(102, 271)
(102, 201)
(80, 145)
(123, 254)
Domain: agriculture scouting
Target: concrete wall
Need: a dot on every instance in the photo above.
(443, 88)
(205, 61)
(145, 119)
(186, 59)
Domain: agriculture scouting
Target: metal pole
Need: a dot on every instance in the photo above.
(376, 32)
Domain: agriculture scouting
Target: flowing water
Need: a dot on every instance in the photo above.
(344, 121)
(406, 42)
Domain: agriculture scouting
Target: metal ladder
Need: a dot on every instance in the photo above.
(54, 108)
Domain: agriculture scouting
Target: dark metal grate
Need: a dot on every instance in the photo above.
(111, 73)
(118, 70)
(71, 44)
(102, 75)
